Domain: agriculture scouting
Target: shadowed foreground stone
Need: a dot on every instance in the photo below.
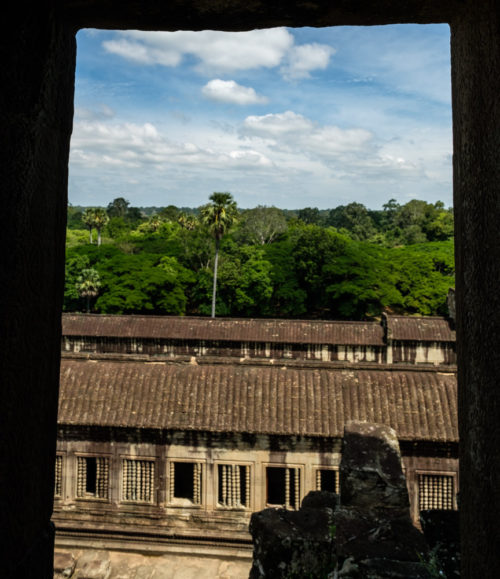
(371, 476)
(365, 535)
(320, 500)
(382, 569)
(375, 535)
(297, 544)
(370, 535)
(441, 530)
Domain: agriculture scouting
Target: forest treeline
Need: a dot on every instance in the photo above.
(349, 262)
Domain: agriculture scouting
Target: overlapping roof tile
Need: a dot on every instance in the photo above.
(224, 329)
(419, 329)
(420, 405)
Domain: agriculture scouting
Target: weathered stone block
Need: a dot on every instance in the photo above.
(320, 500)
(361, 535)
(382, 569)
(93, 565)
(292, 543)
(375, 536)
(64, 564)
(371, 475)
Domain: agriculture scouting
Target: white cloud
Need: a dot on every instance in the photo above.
(229, 91)
(354, 158)
(275, 125)
(142, 148)
(377, 127)
(305, 58)
(291, 131)
(216, 51)
(136, 51)
(286, 157)
(95, 143)
(331, 140)
(101, 112)
(223, 52)
(273, 147)
(249, 158)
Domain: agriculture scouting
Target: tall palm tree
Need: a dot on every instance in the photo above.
(218, 216)
(154, 223)
(101, 218)
(88, 285)
(88, 218)
(186, 221)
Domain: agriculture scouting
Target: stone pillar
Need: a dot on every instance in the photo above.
(475, 42)
(36, 83)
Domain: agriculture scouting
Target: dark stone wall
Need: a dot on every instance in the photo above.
(36, 79)
(475, 45)
(245, 15)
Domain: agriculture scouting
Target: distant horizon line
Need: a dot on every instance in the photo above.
(77, 206)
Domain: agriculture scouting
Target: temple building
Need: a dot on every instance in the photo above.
(173, 430)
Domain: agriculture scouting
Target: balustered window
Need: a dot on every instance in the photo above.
(185, 482)
(233, 486)
(283, 487)
(58, 476)
(436, 492)
(327, 479)
(92, 479)
(138, 480)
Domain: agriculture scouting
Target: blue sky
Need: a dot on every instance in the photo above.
(284, 117)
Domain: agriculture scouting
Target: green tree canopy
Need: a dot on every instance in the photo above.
(355, 218)
(118, 207)
(169, 213)
(315, 249)
(262, 225)
(311, 216)
(268, 266)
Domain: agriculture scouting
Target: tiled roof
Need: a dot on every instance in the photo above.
(421, 329)
(273, 400)
(224, 329)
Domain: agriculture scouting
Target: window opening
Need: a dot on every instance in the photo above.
(435, 492)
(138, 480)
(327, 479)
(233, 485)
(58, 476)
(185, 482)
(91, 474)
(92, 477)
(283, 486)
(361, 142)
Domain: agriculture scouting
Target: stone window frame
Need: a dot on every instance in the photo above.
(60, 457)
(441, 473)
(250, 485)
(301, 483)
(317, 468)
(178, 502)
(154, 493)
(89, 496)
